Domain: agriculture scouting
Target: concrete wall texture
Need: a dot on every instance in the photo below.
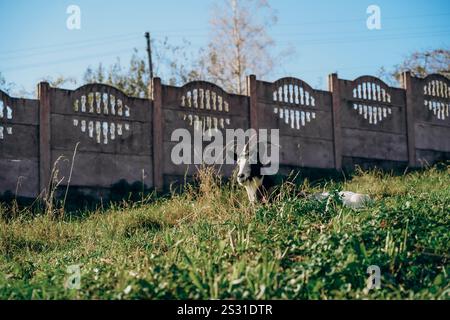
(96, 136)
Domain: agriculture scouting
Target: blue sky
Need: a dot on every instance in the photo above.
(328, 35)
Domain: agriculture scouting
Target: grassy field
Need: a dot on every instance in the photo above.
(208, 243)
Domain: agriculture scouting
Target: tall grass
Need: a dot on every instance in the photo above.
(208, 242)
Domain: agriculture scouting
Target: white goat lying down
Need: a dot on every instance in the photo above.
(258, 186)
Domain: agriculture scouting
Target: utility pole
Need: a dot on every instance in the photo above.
(149, 51)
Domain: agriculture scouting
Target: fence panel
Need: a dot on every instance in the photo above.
(303, 116)
(431, 110)
(206, 105)
(373, 123)
(19, 146)
(113, 133)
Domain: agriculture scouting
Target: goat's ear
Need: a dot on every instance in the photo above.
(258, 159)
(235, 156)
(231, 154)
(262, 148)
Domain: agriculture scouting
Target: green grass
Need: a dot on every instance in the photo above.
(208, 243)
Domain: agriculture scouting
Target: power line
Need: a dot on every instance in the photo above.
(70, 43)
(384, 31)
(362, 19)
(280, 34)
(367, 39)
(346, 39)
(136, 37)
(168, 31)
(49, 52)
(35, 65)
(301, 43)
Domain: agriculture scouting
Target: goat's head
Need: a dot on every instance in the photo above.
(249, 166)
(252, 170)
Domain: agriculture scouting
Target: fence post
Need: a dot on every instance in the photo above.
(253, 94)
(334, 88)
(158, 149)
(410, 119)
(44, 137)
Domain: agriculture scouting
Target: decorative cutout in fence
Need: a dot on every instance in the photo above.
(102, 130)
(291, 94)
(366, 90)
(207, 122)
(204, 96)
(437, 98)
(296, 119)
(6, 113)
(101, 104)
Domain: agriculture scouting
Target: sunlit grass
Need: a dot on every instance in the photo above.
(208, 242)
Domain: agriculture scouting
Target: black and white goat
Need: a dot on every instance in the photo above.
(259, 186)
(249, 175)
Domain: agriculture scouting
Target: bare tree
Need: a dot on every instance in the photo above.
(420, 64)
(176, 64)
(5, 86)
(15, 90)
(59, 81)
(239, 44)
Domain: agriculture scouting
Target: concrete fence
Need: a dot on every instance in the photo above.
(121, 139)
